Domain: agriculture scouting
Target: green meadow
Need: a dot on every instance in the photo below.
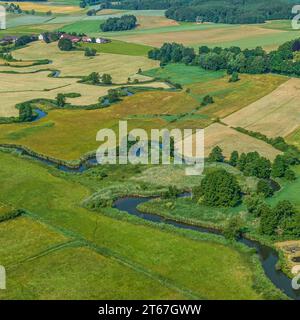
(269, 42)
(162, 262)
(119, 47)
(180, 73)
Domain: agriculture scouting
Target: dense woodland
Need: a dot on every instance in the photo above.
(284, 60)
(219, 11)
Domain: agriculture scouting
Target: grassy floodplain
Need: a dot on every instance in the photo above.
(185, 210)
(49, 198)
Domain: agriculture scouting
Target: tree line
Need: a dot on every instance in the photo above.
(284, 60)
(218, 11)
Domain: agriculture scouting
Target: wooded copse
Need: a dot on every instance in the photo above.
(126, 22)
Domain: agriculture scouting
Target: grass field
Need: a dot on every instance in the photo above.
(180, 73)
(290, 190)
(285, 25)
(79, 273)
(36, 237)
(276, 114)
(144, 110)
(29, 29)
(119, 47)
(212, 35)
(231, 97)
(76, 142)
(294, 138)
(150, 251)
(89, 27)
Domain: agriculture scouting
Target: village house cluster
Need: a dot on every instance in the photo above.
(10, 39)
(78, 38)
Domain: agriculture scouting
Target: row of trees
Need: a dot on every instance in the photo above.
(254, 61)
(95, 78)
(219, 11)
(252, 164)
(126, 22)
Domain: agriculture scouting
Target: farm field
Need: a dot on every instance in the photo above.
(59, 208)
(144, 110)
(45, 7)
(214, 35)
(276, 114)
(63, 230)
(221, 135)
(74, 63)
(119, 47)
(180, 73)
(294, 138)
(231, 97)
(78, 142)
(40, 86)
(33, 235)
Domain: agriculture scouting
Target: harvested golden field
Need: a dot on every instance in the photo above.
(148, 22)
(276, 114)
(17, 88)
(45, 7)
(75, 64)
(207, 36)
(230, 140)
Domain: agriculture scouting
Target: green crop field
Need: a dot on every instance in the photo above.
(84, 26)
(119, 47)
(148, 250)
(294, 138)
(180, 73)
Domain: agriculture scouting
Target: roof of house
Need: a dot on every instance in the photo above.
(70, 37)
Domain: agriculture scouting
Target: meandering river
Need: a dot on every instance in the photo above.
(267, 256)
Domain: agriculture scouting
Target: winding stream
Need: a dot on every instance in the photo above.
(267, 256)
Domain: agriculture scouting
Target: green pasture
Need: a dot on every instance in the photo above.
(149, 250)
(180, 73)
(119, 47)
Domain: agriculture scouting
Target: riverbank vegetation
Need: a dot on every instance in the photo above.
(59, 209)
